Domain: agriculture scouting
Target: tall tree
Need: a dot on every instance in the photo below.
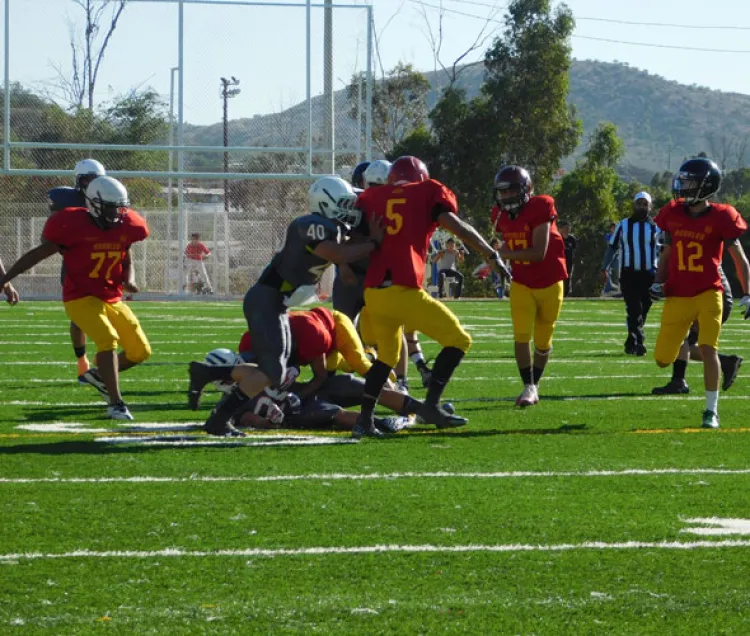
(527, 88)
(399, 104)
(100, 18)
(588, 197)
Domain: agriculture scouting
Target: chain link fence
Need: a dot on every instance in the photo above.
(157, 124)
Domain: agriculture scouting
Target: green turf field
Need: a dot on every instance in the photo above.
(603, 510)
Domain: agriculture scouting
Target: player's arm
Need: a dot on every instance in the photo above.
(334, 251)
(662, 268)
(128, 274)
(320, 375)
(468, 234)
(743, 272)
(538, 249)
(28, 260)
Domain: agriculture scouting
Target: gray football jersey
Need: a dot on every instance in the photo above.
(295, 262)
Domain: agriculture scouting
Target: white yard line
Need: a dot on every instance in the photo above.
(325, 477)
(376, 549)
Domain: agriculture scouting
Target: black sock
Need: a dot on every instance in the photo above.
(526, 375)
(421, 365)
(445, 364)
(537, 374)
(374, 381)
(410, 406)
(221, 372)
(79, 351)
(228, 405)
(400, 377)
(678, 369)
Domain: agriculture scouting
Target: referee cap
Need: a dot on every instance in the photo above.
(643, 195)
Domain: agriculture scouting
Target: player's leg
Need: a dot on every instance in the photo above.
(709, 328)
(91, 315)
(436, 320)
(677, 384)
(523, 312)
(78, 339)
(402, 367)
(414, 350)
(631, 294)
(548, 305)
(730, 363)
(348, 343)
(135, 344)
(385, 325)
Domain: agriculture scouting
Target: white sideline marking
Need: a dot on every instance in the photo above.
(725, 526)
(630, 472)
(377, 549)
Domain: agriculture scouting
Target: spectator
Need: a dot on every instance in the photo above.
(571, 243)
(447, 261)
(197, 277)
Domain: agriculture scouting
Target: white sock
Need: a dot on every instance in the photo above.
(712, 401)
(417, 357)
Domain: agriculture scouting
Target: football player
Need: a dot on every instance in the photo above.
(536, 250)
(413, 206)
(688, 273)
(313, 241)
(93, 242)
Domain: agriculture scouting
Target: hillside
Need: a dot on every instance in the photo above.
(659, 120)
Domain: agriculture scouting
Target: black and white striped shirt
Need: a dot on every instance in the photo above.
(637, 242)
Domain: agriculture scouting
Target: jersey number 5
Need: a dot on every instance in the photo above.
(100, 258)
(398, 219)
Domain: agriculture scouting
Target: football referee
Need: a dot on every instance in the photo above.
(635, 238)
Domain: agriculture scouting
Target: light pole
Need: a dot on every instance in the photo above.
(228, 89)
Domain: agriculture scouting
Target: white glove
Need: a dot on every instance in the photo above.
(656, 291)
(745, 302)
(267, 408)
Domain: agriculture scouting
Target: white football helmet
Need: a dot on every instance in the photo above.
(86, 171)
(220, 358)
(106, 197)
(334, 199)
(377, 173)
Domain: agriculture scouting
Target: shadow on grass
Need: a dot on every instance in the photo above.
(466, 433)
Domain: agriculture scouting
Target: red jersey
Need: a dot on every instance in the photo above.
(313, 334)
(409, 213)
(196, 252)
(92, 256)
(517, 234)
(697, 245)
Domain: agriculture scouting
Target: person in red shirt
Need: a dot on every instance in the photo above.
(537, 252)
(412, 206)
(94, 241)
(695, 231)
(197, 276)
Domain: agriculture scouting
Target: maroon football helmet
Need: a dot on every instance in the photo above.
(407, 169)
(516, 180)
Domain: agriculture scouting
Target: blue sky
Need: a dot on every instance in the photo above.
(265, 46)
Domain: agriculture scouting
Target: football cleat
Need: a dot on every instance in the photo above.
(710, 420)
(199, 378)
(730, 367)
(640, 350)
(218, 426)
(363, 428)
(440, 417)
(673, 387)
(94, 378)
(528, 397)
(119, 412)
(402, 385)
(392, 424)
